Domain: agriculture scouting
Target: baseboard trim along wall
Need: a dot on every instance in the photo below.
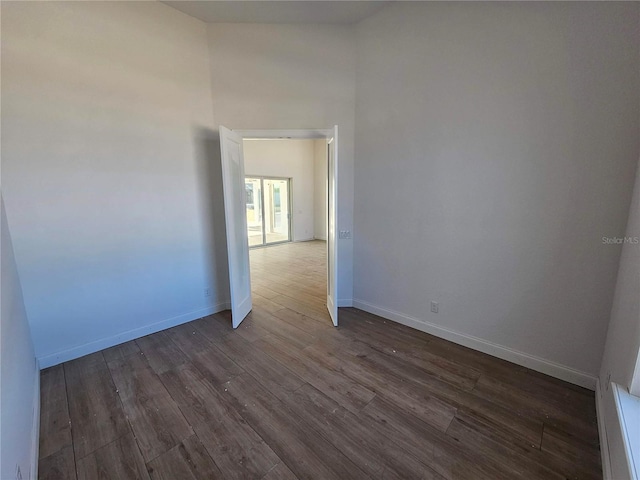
(345, 302)
(95, 346)
(524, 359)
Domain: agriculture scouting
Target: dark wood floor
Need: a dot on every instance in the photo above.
(289, 396)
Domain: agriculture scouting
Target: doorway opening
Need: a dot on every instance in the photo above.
(271, 212)
(288, 263)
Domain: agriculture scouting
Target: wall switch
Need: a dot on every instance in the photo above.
(434, 307)
(207, 292)
(344, 234)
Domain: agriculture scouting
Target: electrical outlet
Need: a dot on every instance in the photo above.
(207, 292)
(434, 307)
(344, 234)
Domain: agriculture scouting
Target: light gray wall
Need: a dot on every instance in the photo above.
(291, 76)
(320, 190)
(496, 146)
(19, 376)
(106, 121)
(291, 159)
(623, 337)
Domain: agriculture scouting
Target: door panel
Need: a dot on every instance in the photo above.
(234, 189)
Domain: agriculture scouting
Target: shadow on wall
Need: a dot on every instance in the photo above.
(210, 193)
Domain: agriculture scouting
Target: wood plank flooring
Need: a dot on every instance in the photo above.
(288, 396)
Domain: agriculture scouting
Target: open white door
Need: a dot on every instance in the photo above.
(236, 221)
(332, 235)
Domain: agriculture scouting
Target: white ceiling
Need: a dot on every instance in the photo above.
(267, 11)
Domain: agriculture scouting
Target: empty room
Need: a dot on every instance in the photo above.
(320, 240)
(285, 187)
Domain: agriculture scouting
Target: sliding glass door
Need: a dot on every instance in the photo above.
(268, 210)
(253, 188)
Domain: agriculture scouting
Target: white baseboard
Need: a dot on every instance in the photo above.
(345, 302)
(97, 345)
(602, 433)
(35, 427)
(557, 370)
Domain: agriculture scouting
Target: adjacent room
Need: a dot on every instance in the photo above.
(286, 183)
(320, 239)
(286, 205)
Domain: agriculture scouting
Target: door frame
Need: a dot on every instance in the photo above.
(289, 181)
(306, 134)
